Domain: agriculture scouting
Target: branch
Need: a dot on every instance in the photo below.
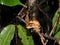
(50, 37)
(54, 27)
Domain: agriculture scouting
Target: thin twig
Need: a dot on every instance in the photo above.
(47, 18)
(54, 27)
(50, 37)
(16, 35)
(41, 36)
(21, 19)
(22, 9)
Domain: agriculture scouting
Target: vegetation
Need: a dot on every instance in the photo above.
(30, 22)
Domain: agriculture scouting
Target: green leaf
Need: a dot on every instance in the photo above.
(22, 33)
(11, 2)
(54, 18)
(7, 35)
(0, 1)
(57, 35)
(58, 28)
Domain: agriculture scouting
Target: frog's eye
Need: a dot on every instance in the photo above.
(29, 25)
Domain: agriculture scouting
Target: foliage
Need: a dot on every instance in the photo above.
(54, 18)
(7, 35)
(26, 39)
(11, 2)
(57, 35)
